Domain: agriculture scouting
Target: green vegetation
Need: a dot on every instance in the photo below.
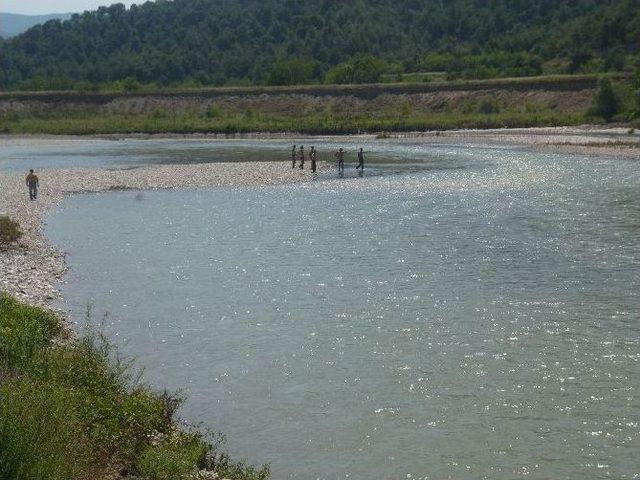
(9, 231)
(361, 69)
(254, 42)
(636, 88)
(327, 109)
(74, 410)
(605, 101)
(308, 124)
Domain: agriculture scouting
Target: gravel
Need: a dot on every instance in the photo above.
(32, 269)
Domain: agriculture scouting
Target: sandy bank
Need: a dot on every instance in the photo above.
(621, 142)
(585, 140)
(30, 271)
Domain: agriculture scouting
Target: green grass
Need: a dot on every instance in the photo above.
(76, 410)
(172, 457)
(308, 124)
(366, 109)
(39, 440)
(24, 333)
(568, 82)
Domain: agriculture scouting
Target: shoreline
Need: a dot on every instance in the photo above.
(32, 270)
(592, 140)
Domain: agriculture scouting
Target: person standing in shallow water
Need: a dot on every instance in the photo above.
(293, 157)
(312, 157)
(360, 165)
(340, 156)
(32, 183)
(301, 157)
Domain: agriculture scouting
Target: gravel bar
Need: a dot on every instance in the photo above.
(31, 270)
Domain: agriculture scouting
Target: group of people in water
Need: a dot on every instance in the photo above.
(298, 157)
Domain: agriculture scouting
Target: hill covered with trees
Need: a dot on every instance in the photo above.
(218, 42)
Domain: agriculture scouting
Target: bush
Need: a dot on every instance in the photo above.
(130, 84)
(294, 71)
(605, 100)
(9, 231)
(359, 69)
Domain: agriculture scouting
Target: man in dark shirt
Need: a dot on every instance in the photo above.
(340, 156)
(32, 183)
(312, 157)
(360, 161)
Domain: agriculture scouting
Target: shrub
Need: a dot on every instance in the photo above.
(130, 84)
(359, 69)
(9, 231)
(294, 71)
(605, 100)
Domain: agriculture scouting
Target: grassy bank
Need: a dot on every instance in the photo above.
(325, 109)
(313, 124)
(367, 90)
(76, 411)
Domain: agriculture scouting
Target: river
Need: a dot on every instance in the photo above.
(460, 311)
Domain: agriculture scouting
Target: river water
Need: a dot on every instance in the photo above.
(459, 312)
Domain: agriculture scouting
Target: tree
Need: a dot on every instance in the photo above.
(294, 71)
(359, 69)
(219, 41)
(605, 100)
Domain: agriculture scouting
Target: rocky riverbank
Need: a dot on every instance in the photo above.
(31, 270)
(585, 140)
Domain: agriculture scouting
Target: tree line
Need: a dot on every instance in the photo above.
(283, 42)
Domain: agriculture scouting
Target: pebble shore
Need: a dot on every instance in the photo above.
(31, 270)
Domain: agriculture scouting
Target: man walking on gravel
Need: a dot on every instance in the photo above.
(32, 183)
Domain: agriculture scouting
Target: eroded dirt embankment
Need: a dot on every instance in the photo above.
(307, 102)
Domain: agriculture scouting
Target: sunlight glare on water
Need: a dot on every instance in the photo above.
(470, 322)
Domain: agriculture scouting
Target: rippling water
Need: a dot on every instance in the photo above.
(473, 314)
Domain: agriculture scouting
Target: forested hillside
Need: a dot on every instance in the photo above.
(216, 42)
